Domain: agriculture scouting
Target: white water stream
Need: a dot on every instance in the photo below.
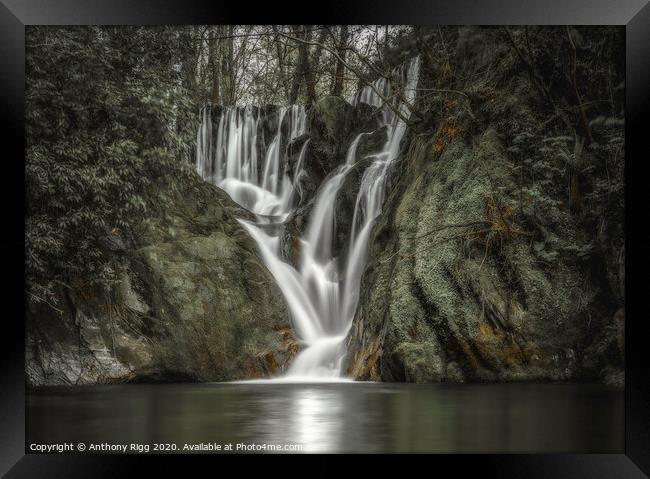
(322, 299)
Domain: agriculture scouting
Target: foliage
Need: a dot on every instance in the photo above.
(106, 115)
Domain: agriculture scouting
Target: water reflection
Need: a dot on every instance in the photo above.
(316, 422)
(338, 417)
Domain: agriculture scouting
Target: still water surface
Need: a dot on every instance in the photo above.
(337, 417)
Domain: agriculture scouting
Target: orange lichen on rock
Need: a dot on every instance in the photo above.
(488, 94)
(498, 348)
(251, 371)
(288, 341)
(447, 131)
(271, 364)
(296, 245)
(446, 71)
(365, 363)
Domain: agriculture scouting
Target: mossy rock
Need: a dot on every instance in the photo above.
(195, 303)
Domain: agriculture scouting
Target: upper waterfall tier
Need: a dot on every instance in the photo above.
(238, 158)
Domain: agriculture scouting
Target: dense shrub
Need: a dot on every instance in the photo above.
(106, 113)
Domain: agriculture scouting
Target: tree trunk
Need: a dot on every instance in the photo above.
(302, 67)
(281, 65)
(574, 185)
(227, 69)
(214, 66)
(339, 75)
(574, 193)
(310, 75)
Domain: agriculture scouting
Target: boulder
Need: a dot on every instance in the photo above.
(194, 302)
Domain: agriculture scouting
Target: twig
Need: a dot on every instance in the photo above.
(39, 299)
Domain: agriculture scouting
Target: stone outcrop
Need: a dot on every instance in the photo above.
(480, 267)
(457, 290)
(194, 302)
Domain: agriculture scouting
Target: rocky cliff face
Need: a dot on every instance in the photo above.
(195, 303)
(458, 289)
(480, 268)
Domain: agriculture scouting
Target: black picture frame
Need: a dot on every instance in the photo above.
(634, 14)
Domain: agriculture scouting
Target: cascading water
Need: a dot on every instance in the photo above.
(231, 161)
(322, 300)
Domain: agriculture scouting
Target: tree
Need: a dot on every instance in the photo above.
(281, 54)
(106, 127)
(302, 67)
(339, 75)
(214, 67)
(312, 68)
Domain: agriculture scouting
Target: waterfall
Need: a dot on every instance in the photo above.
(371, 192)
(322, 295)
(231, 160)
